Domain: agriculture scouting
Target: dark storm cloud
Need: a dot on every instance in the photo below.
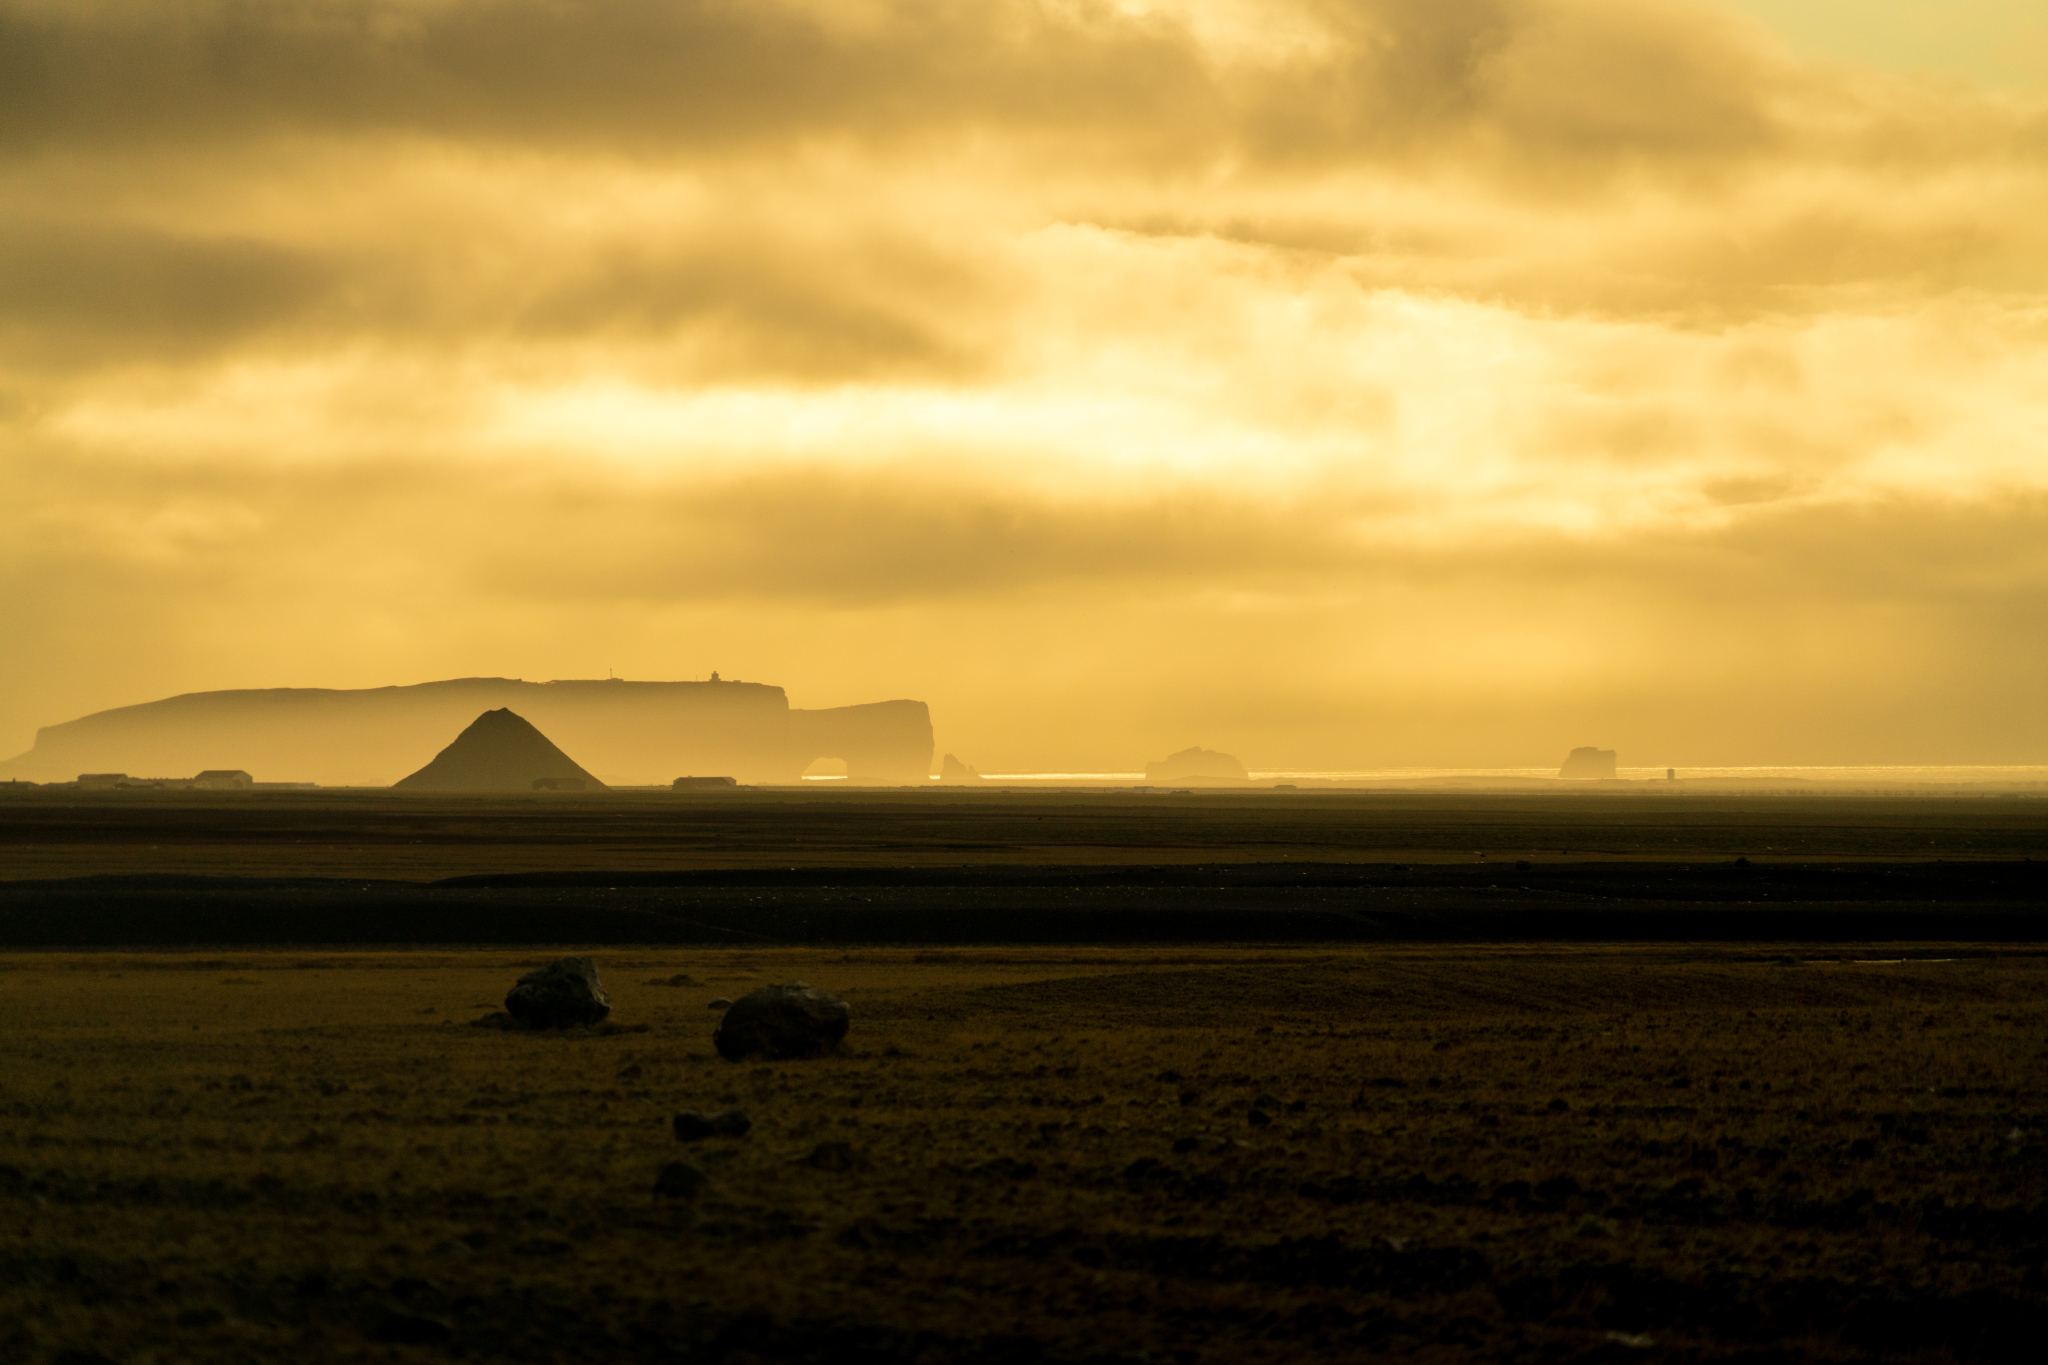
(651, 72)
(1648, 86)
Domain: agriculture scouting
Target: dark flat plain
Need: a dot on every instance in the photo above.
(853, 866)
(1217, 1078)
(386, 835)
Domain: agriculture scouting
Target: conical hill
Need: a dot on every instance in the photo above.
(500, 752)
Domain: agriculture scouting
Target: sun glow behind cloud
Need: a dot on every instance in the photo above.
(1346, 382)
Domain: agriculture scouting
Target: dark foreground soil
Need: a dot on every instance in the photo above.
(1678, 1153)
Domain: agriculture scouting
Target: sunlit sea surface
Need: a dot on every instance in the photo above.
(1874, 775)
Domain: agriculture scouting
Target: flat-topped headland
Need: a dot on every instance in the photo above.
(624, 732)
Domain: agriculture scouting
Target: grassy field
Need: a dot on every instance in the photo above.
(1673, 1153)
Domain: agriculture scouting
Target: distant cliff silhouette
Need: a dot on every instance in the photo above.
(1196, 765)
(635, 732)
(500, 752)
(1588, 762)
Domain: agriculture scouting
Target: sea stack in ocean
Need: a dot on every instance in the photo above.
(1588, 762)
(1196, 765)
(953, 772)
(500, 752)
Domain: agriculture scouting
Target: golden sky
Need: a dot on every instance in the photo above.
(1337, 383)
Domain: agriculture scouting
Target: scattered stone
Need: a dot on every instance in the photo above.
(543, 1246)
(679, 979)
(721, 1003)
(1201, 1142)
(1258, 1118)
(611, 1027)
(781, 1023)
(1190, 1098)
(564, 994)
(495, 1019)
(631, 1072)
(411, 1329)
(835, 1156)
(1003, 1168)
(679, 1180)
(692, 1126)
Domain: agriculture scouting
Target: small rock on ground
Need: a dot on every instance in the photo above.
(1201, 1142)
(693, 1126)
(835, 1156)
(679, 1180)
(411, 1329)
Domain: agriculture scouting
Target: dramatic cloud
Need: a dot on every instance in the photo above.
(1389, 381)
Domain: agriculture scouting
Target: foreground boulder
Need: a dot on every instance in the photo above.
(781, 1023)
(564, 994)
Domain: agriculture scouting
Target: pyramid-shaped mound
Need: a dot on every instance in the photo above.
(500, 752)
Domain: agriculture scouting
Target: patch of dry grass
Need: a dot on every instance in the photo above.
(1465, 1154)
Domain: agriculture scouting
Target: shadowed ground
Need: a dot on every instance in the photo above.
(1171, 903)
(1791, 1109)
(379, 834)
(1675, 1153)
